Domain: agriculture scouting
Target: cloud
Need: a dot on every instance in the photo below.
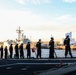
(66, 18)
(33, 1)
(69, 1)
(40, 1)
(47, 1)
(17, 17)
(20, 1)
(26, 19)
(36, 1)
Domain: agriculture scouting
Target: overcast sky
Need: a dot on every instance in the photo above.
(38, 18)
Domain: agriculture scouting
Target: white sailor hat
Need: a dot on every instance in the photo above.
(52, 37)
(16, 42)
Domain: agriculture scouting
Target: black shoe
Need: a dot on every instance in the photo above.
(71, 56)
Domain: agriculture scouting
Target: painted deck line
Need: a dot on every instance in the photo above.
(14, 64)
(23, 69)
(8, 68)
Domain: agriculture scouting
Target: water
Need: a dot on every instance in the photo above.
(59, 53)
(45, 53)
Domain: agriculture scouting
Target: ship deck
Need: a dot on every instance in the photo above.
(31, 66)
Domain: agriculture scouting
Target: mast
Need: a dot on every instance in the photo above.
(19, 31)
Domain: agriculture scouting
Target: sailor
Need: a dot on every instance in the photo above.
(51, 48)
(67, 46)
(21, 51)
(16, 51)
(28, 50)
(11, 50)
(38, 46)
(6, 52)
(2, 51)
